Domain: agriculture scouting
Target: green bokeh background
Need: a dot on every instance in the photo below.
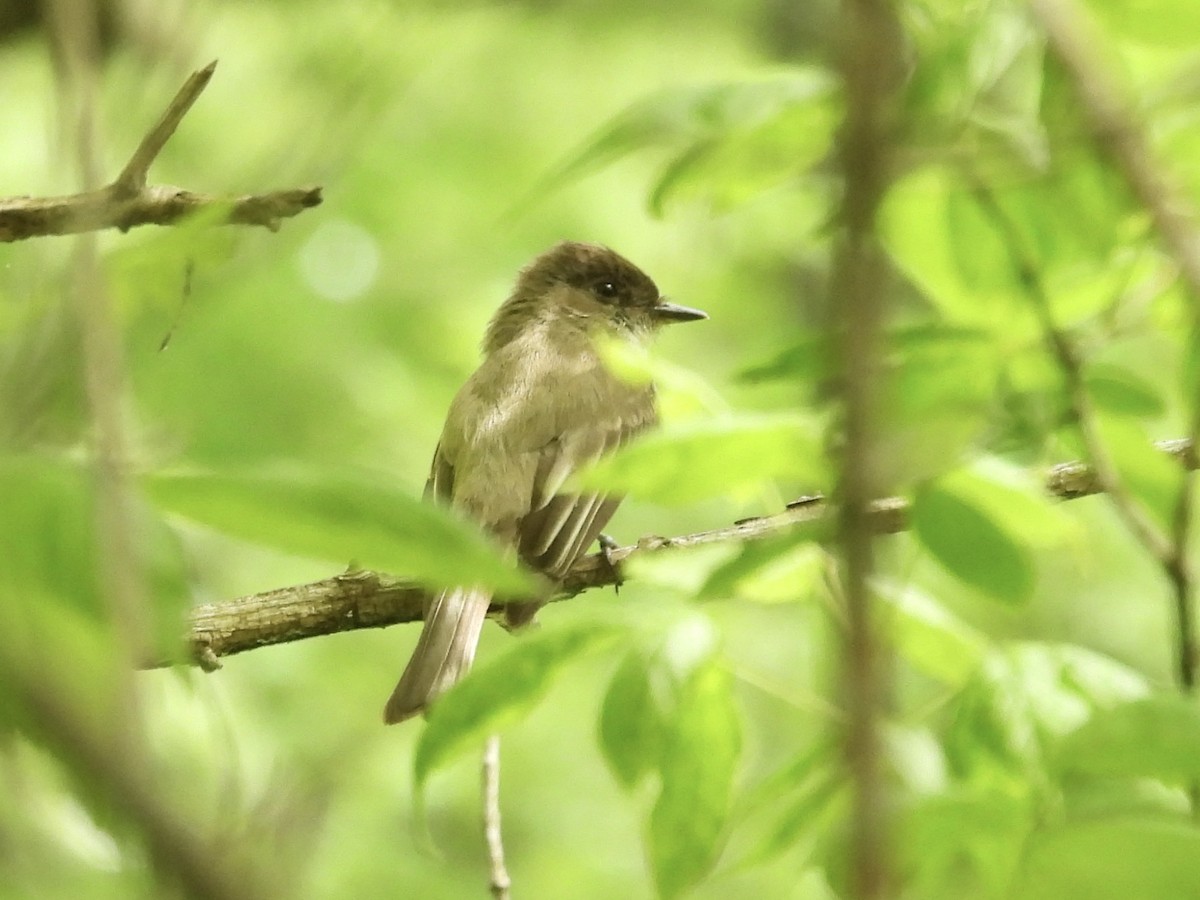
(339, 341)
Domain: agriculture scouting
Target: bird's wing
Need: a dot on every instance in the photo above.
(560, 527)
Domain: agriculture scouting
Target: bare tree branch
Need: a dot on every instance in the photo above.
(871, 70)
(363, 599)
(129, 200)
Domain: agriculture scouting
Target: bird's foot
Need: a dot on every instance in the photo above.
(607, 545)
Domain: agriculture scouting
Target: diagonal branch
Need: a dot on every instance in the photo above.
(1115, 131)
(129, 201)
(363, 599)
(1070, 364)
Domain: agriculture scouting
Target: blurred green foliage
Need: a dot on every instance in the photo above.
(286, 390)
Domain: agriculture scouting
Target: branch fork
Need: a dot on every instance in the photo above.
(130, 200)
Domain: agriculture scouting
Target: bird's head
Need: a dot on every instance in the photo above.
(589, 285)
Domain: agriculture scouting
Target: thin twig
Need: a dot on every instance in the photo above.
(1179, 574)
(500, 883)
(870, 69)
(364, 599)
(1174, 218)
(133, 177)
(1136, 519)
(1114, 129)
(129, 201)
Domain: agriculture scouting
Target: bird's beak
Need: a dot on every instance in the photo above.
(666, 311)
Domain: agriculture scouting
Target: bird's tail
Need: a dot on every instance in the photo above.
(444, 652)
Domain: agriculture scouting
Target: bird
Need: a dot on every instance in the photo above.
(541, 406)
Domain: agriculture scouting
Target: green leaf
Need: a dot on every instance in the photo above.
(695, 460)
(1158, 736)
(1024, 699)
(981, 521)
(49, 546)
(498, 692)
(1014, 499)
(342, 519)
(1169, 23)
(47, 537)
(1114, 859)
(965, 841)
(915, 224)
(941, 387)
(700, 754)
(806, 788)
(680, 392)
(789, 567)
(691, 116)
(631, 730)
(679, 569)
(1151, 476)
(971, 545)
(746, 160)
(810, 360)
(1118, 390)
(930, 637)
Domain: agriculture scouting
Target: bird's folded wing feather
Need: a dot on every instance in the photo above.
(561, 526)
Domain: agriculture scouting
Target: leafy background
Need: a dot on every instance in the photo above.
(684, 734)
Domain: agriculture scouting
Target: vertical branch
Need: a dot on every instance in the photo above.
(1118, 135)
(1116, 132)
(500, 882)
(75, 29)
(1168, 550)
(870, 69)
(1179, 574)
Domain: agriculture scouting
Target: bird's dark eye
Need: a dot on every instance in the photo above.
(606, 289)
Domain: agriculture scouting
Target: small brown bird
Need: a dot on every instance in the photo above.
(540, 406)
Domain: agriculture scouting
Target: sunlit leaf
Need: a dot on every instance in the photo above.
(695, 460)
(1114, 859)
(811, 359)
(682, 117)
(940, 389)
(341, 519)
(1014, 498)
(1158, 736)
(498, 692)
(1169, 23)
(770, 570)
(965, 841)
(679, 568)
(735, 166)
(680, 392)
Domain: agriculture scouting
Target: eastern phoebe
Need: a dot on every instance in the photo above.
(539, 407)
